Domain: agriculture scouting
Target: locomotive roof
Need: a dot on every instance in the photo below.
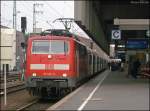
(39, 37)
(47, 37)
(56, 33)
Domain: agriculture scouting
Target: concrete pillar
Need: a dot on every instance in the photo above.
(91, 17)
(81, 12)
(85, 13)
(78, 10)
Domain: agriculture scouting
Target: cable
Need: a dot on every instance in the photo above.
(31, 15)
(68, 4)
(49, 5)
(28, 12)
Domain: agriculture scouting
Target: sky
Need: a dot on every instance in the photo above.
(51, 10)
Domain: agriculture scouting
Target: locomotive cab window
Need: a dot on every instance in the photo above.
(50, 47)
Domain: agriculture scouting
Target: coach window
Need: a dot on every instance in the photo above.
(94, 62)
(97, 62)
(81, 51)
(90, 59)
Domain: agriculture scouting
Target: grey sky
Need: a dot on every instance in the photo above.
(51, 11)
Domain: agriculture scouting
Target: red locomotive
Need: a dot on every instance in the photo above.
(56, 62)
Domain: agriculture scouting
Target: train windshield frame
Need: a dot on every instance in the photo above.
(50, 47)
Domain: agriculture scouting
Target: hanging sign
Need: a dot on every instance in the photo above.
(116, 34)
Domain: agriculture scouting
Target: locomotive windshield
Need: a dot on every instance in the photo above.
(49, 47)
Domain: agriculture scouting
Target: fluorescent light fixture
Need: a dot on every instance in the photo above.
(121, 45)
(112, 45)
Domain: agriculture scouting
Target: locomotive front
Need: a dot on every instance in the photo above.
(49, 65)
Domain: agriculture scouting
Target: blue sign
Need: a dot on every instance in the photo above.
(137, 44)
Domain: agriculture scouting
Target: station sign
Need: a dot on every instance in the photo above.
(116, 34)
(137, 44)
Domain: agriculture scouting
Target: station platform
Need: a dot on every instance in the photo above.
(110, 90)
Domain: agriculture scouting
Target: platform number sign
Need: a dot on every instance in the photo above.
(116, 34)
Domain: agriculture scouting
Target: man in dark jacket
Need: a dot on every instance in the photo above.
(136, 66)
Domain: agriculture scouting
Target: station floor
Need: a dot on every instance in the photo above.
(110, 90)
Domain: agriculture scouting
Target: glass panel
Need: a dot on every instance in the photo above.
(40, 47)
(49, 47)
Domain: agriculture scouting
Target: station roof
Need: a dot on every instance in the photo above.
(99, 17)
(108, 10)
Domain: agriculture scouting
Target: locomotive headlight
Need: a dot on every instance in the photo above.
(34, 74)
(64, 75)
(49, 56)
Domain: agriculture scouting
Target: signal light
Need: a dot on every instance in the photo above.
(23, 24)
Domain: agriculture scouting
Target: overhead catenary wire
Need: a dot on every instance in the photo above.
(59, 13)
(49, 5)
(44, 20)
(54, 12)
(67, 4)
(41, 20)
(28, 10)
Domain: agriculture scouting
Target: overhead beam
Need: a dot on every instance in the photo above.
(132, 24)
(131, 21)
(135, 27)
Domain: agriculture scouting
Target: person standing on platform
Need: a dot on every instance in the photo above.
(109, 65)
(136, 66)
(130, 67)
(122, 67)
(126, 67)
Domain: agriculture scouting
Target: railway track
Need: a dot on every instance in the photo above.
(13, 83)
(38, 104)
(9, 78)
(27, 105)
(12, 89)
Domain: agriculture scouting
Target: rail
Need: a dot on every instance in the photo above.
(11, 76)
(12, 89)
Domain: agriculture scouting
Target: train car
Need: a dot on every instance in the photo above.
(55, 64)
(90, 62)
